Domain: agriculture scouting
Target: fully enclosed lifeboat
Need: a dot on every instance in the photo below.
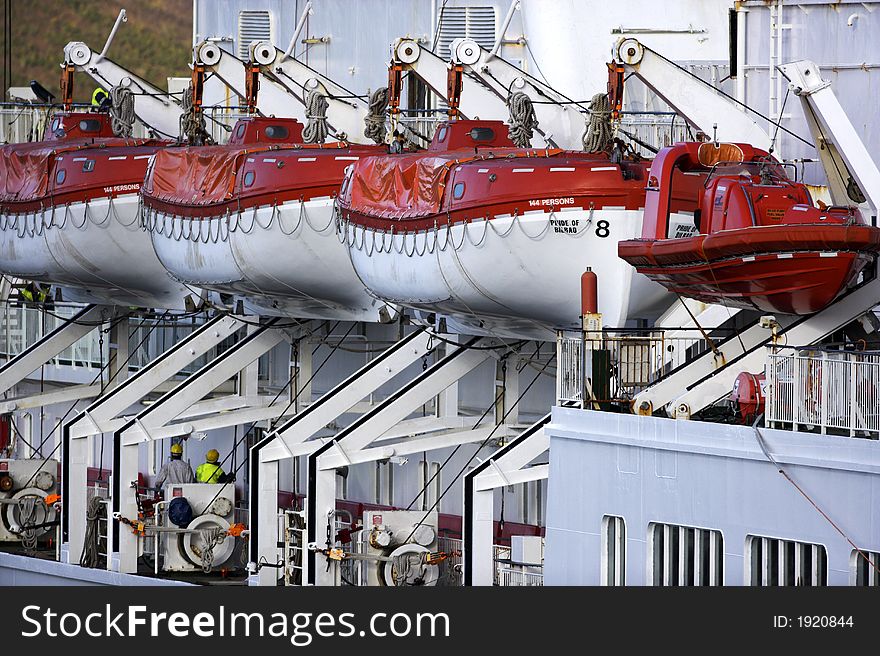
(70, 214)
(758, 241)
(255, 219)
(497, 237)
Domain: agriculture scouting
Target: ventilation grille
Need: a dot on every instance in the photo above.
(253, 26)
(477, 23)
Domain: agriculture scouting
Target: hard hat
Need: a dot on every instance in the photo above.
(212, 456)
(176, 449)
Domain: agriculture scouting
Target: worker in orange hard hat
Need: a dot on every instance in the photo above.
(209, 471)
(175, 471)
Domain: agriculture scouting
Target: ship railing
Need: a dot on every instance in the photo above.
(21, 326)
(520, 575)
(829, 391)
(614, 365)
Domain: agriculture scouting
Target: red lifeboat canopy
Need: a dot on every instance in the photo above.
(457, 135)
(67, 126)
(261, 129)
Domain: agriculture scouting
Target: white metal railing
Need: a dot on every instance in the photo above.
(21, 326)
(616, 365)
(829, 390)
(520, 577)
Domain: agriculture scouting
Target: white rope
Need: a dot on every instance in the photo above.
(522, 119)
(316, 129)
(598, 134)
(122, 114)
(374, 121)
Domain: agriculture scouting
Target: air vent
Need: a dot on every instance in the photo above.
(253, 26)
(477, 23)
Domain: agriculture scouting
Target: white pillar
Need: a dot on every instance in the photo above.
(128, 541)
(77, 496)
(266, 549)
(483, 560)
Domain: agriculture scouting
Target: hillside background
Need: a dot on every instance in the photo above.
(155, 42)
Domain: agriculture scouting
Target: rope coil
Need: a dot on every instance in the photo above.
(316, 129)
(374, 121)
(522, 119)
(599, 133)
(122, 114)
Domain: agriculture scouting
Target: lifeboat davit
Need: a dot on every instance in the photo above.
(255, 218)
(497, 237)
(757, 242)
(70, 215)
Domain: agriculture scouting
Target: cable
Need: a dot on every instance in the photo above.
(806, 496)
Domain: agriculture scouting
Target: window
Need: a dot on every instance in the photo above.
(429, 484)
(866, 568)
(532, 502)
(59, 176)
(385, 483)
(342, 483)
(90, 125)
(482, 134)
(441, 134)
(277, 132)
(239, 131)
(249, 178)
(252, 26)
(477, 23)
(684, 555)
(458, 190)
(613, 550)
(772, 561)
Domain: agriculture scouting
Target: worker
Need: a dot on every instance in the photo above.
(398, 142)
(99, 95)
(210, 471)
(34, 293)
(175, 471)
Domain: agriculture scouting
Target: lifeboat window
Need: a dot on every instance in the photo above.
(458, 190)
(88, 166)
(249, 178)
(59, 176)
(482, 134)
(56, 124)
(239, 133)
(90, 125)
(277, 132)
(441, 135)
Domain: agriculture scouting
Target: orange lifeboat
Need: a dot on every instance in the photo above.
(756, 240)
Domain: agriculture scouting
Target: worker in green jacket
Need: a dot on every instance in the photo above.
(210, 471)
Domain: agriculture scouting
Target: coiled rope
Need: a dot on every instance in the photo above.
(599, 133)
(374, 121)
(122, 114)
(522, 119)
(316, 112)
(192, 122)
(96, 512)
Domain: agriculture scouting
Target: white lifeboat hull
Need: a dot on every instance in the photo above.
(97, 249)
(511, 276)
(287, 260)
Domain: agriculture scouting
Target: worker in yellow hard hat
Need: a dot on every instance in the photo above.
(99, 95)
(175, 471)
(209, 471)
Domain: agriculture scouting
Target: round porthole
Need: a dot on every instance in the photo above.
(249, 178)
(458, 190)
(60, 175)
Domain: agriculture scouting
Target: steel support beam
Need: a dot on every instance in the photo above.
(145, 427)
(364, 431)
(502, 469)
(266, 454)
(98, 418)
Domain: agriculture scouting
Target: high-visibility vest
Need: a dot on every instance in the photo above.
(209, 472)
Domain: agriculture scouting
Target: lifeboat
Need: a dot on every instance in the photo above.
(70, 215)
(255, 219)
(496, 237)
(757, 242)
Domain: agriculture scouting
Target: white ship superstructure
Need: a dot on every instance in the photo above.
(483, 431)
